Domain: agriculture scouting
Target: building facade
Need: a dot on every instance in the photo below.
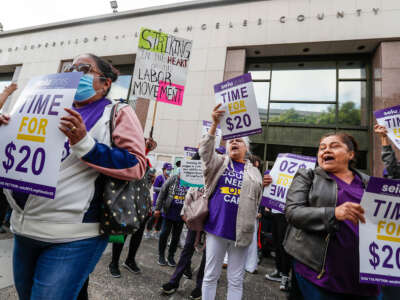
(317, 66)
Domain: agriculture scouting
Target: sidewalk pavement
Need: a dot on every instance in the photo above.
(146, 285)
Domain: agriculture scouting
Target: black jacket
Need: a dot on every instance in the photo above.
(391, 164)
(310, 212)
(166, 195)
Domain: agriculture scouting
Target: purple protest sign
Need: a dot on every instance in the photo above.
(31, 144)
(390, 118)
(379, 244)
(238, 100)
(282, 173)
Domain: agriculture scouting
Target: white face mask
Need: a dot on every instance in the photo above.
(168, 172)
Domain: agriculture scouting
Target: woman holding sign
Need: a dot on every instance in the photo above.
(57, 241)
(234, 190)
(323, 211)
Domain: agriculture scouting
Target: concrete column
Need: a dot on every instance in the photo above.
(386, 92)
(235, 63)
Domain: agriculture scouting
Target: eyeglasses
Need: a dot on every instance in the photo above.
(84, 68)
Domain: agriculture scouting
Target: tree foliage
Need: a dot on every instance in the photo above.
(348, 114)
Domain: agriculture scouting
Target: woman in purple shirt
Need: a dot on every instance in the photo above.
(323, 210)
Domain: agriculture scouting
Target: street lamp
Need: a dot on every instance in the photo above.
(114, 6)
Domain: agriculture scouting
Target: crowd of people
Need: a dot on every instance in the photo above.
(57, 243)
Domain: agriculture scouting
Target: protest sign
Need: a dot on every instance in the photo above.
(282, 173)
(390, 118)
(218, 132)
(379, 244)
(190, 152)
(192, 173)
(161, 67)
(238, 100)
(31, 144)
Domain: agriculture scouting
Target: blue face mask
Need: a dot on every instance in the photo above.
(85, 88)
(168, 172)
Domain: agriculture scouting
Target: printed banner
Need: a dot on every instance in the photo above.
(238, 99)
(218, 132)
(390, 118)
(380, 235)
(161, 67)
(190, 152)
(282, 173)
(192, 173)
(31, 144)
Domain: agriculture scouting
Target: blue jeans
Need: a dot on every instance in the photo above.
(49, 271)
(311, 291)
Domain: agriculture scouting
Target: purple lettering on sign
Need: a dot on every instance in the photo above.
(54, 103)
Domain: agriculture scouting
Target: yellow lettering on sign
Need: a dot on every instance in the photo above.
(237, 107)
(388, 231)
(32, 129)
(284, 179)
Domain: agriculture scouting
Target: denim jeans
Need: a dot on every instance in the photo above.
(49, 271)
(311, 291)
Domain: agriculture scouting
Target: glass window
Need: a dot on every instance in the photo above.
(352, 103)
(304, 82)
(261, 91)
(315, 114)
(120, 88)
(260, 71)
(352, 70)
(260, 75)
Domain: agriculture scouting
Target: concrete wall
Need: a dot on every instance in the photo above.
(214, 31)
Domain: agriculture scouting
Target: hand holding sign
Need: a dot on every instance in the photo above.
(4, 119)
(73, 126)
(350, 211)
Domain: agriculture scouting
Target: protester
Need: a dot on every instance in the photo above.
(136, 238)
(392, 171)
(234, 188)
(392, 166)
(185, 260)
(282, 259)
(323, 210)
(170, 201)
(158, 183)
(57, 241)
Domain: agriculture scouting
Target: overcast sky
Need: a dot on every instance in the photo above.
(16, 14)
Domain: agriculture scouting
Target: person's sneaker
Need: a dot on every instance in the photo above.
(195, 294)
(146, 235)
(162, 261)
(131, 267)
(171, 262)
(274, 276)
(155, 235)
(188, 274)
(284, 284)
(2, 230)
(169, 288)
(114, 270)
(254, 272)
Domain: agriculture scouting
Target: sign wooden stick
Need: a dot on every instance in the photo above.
(154, 119)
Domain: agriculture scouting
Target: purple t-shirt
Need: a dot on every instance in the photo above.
(158, 183)
(342, 261)
(174, 211)
(223, 204)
